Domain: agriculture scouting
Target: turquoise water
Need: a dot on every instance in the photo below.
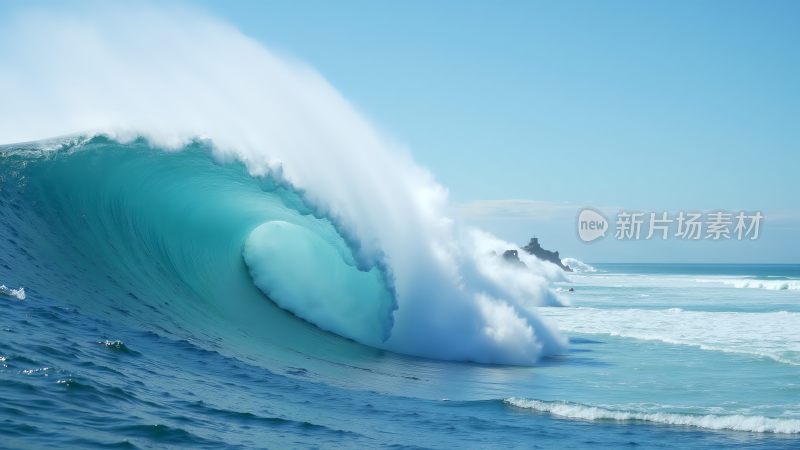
(145, 324)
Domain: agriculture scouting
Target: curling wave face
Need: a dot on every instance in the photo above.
(220, 243)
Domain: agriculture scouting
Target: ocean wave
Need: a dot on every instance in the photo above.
(251, 234)
(299, 140)
(632, 280)
(734, 422)
(578, 266)
(772, 285)
(774, 335)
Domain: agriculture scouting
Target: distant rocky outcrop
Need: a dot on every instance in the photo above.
(536, 250)
(512, 257)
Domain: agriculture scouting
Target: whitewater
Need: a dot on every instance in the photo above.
(204, 244)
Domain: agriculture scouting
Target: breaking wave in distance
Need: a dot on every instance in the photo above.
(736, 422)
(774, 335)
(578, 266)
(754, 283)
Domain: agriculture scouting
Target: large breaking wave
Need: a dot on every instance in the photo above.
(205, 166)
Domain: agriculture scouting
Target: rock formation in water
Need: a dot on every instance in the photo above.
(536, 250)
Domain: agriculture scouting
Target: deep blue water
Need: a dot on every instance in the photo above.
(140, 328)
(64, 387)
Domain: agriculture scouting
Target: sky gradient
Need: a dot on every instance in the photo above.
(657, 106)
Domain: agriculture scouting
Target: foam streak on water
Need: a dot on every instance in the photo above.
(736, 422)
(774, 335)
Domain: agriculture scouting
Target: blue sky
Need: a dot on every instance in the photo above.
(653, 106)
(657, 106)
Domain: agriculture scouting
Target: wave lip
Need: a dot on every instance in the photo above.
(735, 422)
(309, 276)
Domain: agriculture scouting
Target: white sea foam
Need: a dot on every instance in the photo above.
(578, 266)
(685, 281)
(752, 283)
(736, 422)
(172, 74)
(774, 335)
(18, 293)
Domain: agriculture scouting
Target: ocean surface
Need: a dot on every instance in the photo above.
(136, 312)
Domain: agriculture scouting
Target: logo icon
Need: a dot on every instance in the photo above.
(591, 225)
